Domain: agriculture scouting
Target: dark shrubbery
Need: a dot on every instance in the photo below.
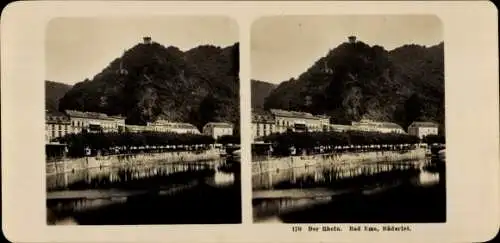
(430, 139)
(229, 139)
(311, 140)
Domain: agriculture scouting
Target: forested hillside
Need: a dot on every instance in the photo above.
(151, 81)
(355, 80)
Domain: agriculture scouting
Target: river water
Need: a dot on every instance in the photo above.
(203, 192)
(383, 192)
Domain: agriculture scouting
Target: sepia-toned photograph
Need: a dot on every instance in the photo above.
(289, 121)
(348, 119)
(142, 121)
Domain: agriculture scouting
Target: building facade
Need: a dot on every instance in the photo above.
(176, 127)
(340, 128)
(217, 129)
(263, 124)
(298, 121)
(137, 128)
(94, 122)
(56, 125)
(422, 129)
(375, 126)
(280, 121)
(325, 122)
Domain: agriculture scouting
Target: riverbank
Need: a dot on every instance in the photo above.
(75, 164)
(290, 162)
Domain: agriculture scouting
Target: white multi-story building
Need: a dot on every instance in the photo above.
(263, 124)
(340, 128)
(218, 129)
(299, 121)
(374, 126)
(137, 128)
(94, 122)
(422, 129)
(280, 121)
(176, 127)
(56, 125)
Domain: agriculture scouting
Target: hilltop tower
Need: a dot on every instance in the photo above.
(147, 40)
(352, 39)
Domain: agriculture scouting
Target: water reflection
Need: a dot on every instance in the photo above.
(303, 191)
(147, 194)
(338, 175)
(129, 176)
(223, 178)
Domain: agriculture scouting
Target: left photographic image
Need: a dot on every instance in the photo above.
(142, 121)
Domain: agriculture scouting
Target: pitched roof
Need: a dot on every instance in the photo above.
(390, 125)
(165, 123)
(323, 116)
(294, 114)
(91, 115)
(185, 125)
(377, 124)
(160, 122)
(56, 117)
(219, 124)
(423, 124)
(118, 117)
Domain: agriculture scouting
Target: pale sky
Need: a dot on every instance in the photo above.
(285, 47)
(79, 48)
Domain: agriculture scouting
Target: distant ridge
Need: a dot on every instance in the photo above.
(260, 90)
(53, 92)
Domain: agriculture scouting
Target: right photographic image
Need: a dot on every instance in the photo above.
(348, 119)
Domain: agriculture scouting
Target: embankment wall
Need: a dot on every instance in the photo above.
(284, 163)
(73, 164)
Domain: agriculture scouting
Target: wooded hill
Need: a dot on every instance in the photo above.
(355, 80)
(151, 81)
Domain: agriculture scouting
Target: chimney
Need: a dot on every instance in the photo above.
(147, 40)
(352, 39)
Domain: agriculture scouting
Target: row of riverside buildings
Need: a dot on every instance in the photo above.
(265, 123)
(60, 124)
